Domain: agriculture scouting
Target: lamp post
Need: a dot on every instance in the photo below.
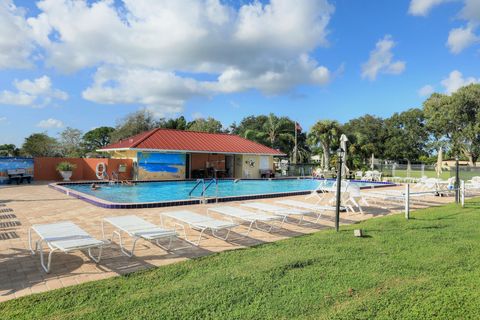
(339, 188)
(457, 181)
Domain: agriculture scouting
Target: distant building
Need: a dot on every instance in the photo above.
(451, 163)
(166, 154)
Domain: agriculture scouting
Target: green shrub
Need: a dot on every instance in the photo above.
(66, 166)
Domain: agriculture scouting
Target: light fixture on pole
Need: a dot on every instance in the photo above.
(339, 188)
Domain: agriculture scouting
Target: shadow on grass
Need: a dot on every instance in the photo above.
(446, 217)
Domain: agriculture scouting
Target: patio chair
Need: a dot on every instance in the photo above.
(317, 209)
(320, 191)
(368, 176)
(250, 217)
(358, 175)
(137, 228)
(63, 236)
(277, 210)
(353, 196)
(198, 222)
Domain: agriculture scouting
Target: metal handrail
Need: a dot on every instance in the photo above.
(208, 185)
(202, 181)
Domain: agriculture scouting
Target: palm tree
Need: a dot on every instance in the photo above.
(273, 130)
(325, 133)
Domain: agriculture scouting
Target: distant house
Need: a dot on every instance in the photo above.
(166, 154)
(452, 162)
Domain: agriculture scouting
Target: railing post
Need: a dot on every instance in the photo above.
(462, 193)
(407, 201)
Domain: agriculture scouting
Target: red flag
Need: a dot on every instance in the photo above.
(298, 127)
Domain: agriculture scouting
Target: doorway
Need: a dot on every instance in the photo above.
(229, 165)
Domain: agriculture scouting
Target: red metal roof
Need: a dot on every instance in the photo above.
(193, 141)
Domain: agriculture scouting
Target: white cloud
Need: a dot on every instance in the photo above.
(234, 104)
(381, 60)
(197, 115)
(426, 90)
(254, 46)
(50, 123)
(423, 7)
(461, 38)
(15, 42)
(471, 10)
(161, 92)
(3, 119)
(34, 93)
(456, 80)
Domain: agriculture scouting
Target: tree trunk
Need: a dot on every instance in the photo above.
(409, 168)
(326, 154)
(471, 161)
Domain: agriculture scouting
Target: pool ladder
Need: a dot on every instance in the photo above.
(205, 186)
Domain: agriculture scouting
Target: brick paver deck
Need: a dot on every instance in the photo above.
(24, 205)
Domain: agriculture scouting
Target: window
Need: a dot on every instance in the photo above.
(264, 163)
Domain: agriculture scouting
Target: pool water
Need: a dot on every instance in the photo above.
(179, 190)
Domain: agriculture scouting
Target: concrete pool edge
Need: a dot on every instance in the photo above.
(61, 187)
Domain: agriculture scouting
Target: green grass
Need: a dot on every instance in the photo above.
(428, 267)
(418, 174)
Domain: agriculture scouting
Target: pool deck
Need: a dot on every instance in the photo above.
(24, 205)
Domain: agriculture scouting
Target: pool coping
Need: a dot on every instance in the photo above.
(62, 187)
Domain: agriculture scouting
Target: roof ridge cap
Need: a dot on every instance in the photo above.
(145, 138)
(197, 131)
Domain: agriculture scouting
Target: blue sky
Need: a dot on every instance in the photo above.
(307, 62)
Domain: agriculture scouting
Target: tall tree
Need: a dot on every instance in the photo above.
(70, 142)
(9, 150)
(134, 123)
(97, 138)
(366, 136)
(249, 127)
(205, 125)
(40, 145)
(174, 123)
(273, 131)
(456, 119)
(325, 133)
(406, 135)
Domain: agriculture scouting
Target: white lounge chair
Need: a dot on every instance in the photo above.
(281, 211)
(318, 209)
(353, 195)
(198, 222)
(63, 236)
(320, 191)
(240, 214)
(137, 228)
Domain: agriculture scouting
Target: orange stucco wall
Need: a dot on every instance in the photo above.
(45, 168)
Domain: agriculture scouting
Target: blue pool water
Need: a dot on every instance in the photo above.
(179, 190)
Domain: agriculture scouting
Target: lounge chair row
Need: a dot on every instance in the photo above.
(67, 236)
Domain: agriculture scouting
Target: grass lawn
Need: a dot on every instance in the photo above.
(418, 174)
(428, 267)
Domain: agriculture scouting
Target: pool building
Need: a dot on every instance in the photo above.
(167, 154)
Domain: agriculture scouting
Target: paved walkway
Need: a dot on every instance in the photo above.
(24, 205)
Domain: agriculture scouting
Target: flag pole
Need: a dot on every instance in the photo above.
(295, 150)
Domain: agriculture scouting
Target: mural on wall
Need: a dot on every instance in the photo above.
(9, 163)
(160, 166)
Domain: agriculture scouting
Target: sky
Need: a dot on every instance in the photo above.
(86, 64)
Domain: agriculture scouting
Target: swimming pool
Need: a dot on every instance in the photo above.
(164, 193)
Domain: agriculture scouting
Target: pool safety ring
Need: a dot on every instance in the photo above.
(101, 170)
